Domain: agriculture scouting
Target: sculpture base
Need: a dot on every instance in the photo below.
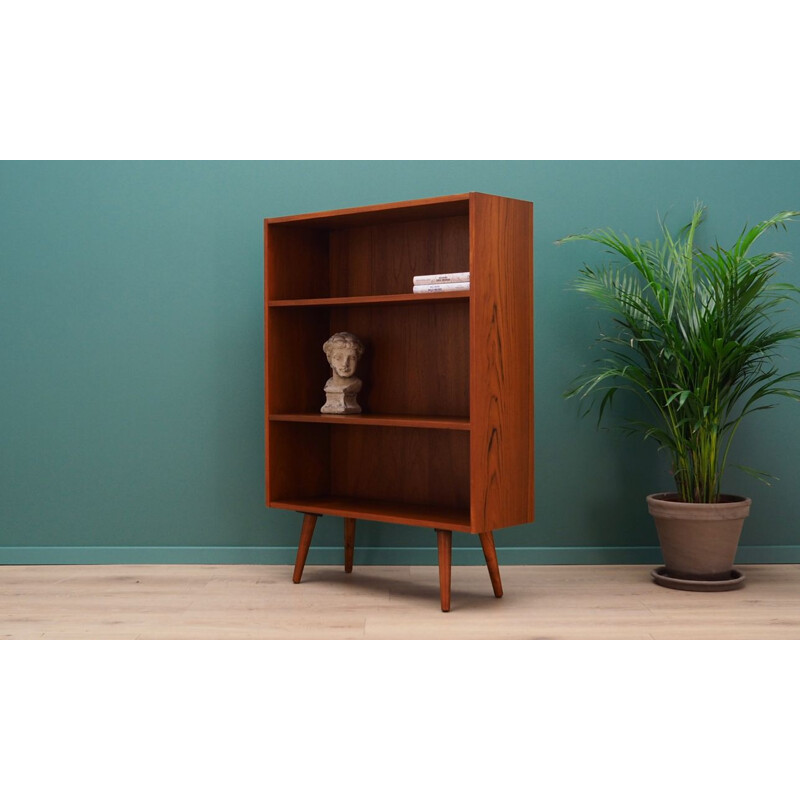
(340, 403)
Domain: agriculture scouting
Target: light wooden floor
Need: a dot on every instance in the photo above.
(261, 602)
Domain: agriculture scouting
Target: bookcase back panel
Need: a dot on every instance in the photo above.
(297, 263)
(299, 461)
(296, 365)
(402, 465)
(416, 359)
(383, 259)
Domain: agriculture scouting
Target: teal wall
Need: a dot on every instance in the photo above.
(131, 424)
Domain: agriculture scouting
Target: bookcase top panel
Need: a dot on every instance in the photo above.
(447, 206)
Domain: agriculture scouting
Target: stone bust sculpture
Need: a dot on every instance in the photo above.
(343, 351)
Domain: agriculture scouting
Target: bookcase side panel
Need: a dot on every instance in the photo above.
(501, 361)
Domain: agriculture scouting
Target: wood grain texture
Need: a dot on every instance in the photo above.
(490, 554)
(259, 601)
(385, 420)
(379, 511)
(416, 360)
(295, 263)
(384, 258)
(306, 532)
(501, 361)
(444, 541)
(296, 365)
(446, 439)
(405, 210)
(401, 465)
(373, 299)
(302, 458)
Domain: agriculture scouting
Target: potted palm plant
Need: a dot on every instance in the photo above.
(695, 335)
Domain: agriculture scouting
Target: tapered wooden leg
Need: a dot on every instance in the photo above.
(490, 554)
(349, 543)
(309, 521)
(445, 542)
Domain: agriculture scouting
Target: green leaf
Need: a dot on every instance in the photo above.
(764, 477)
(694, 334)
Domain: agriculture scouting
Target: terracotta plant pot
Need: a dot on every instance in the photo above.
(699, 540)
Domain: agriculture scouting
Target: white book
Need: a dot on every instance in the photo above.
(428, 288)
(445, 277)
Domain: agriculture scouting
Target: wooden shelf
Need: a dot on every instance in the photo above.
(380, 511)
(386, 420)
(371, 299)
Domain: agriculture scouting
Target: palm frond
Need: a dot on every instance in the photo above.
(693, 335)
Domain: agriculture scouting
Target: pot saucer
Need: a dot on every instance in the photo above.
(660, 576)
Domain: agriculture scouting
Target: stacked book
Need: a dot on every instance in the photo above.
(445, 282)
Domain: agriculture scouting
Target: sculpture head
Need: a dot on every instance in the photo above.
(343, 351)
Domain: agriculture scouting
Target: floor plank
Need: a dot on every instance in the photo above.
(162, 601)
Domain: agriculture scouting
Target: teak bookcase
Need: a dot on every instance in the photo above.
(445, 439)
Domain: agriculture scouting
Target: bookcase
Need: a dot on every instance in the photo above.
(445, 439)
